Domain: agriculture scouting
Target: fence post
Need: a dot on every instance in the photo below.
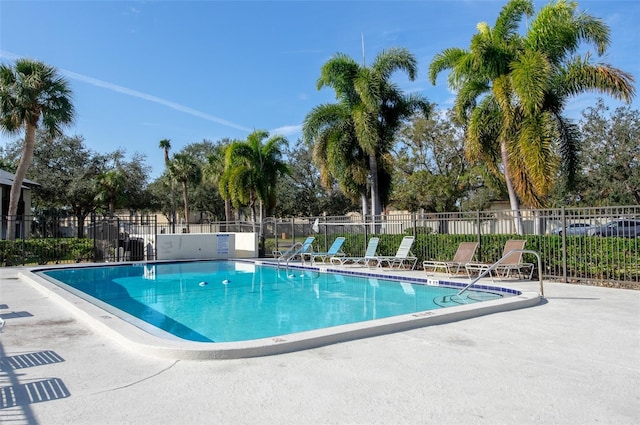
(155, 238)
(326, 235)
(293, 231)
(24, 248)
(95, 247)
(275, 232)
(414, 219)
(563, 223)
(479, 235)
(366, 232)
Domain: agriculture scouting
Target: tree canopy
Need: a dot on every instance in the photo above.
(251, 171)
(512, 89)
(370, 107)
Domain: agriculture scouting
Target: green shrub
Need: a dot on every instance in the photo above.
(45, 251)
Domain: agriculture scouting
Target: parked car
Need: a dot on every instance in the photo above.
(574, 229)
(622, 228)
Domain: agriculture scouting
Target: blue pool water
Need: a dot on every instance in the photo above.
(224, 301)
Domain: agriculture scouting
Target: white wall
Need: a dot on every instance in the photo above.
(246, 245)
(206, 245)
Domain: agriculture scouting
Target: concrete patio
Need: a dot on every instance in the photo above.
(573, 359)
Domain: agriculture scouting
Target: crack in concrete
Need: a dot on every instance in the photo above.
(160, 372)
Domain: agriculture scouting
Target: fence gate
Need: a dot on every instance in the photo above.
(123, 238)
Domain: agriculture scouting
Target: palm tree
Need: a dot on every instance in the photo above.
(213, 171)
(185, 169)
(31, 94)
(376, 106)
(252, 170)
(110, 186)
(165, 144)
(329, 128)
(512, 88)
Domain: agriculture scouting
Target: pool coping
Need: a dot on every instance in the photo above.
(134, 338)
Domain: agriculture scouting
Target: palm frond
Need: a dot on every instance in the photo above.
(569, 148)
(580, 76)
(395, 59)
(530, 75)
(447, 59)
(510, 17)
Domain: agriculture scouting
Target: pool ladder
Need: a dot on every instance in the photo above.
(497, 263)
(289, 254)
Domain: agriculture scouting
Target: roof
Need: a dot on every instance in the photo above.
(6, 179)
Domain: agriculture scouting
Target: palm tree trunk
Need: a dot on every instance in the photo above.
(375, 198)
(252, 204)
(185, 198)
(173, 207)
(261, 238)
(16, 186)
(227, 213)
(376, 208)
(513, 198)
(365, 203)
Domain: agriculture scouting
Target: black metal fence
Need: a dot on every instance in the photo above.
(590, 245)
(47, 240)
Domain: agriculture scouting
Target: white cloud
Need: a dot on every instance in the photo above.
(151, 98)
(287, 130)
(9, 55)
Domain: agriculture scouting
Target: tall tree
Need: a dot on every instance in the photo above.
(610, 157)
(184, 169)
(136, 171)
(252, 169)
(330, 130)
(513, 88)
(110, 185)
(67, 172)
(213, 170)
(31, 94)
(431, 171)
(377, 107)
(160, 194)
(301, 193)
(165, 145)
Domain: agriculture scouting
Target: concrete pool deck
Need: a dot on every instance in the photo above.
(573, 359)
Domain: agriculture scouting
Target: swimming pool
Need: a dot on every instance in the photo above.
(254, 305)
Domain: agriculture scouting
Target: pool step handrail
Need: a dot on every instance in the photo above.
(497, 263)
(290, 253)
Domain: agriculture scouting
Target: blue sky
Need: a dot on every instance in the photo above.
(192, 70)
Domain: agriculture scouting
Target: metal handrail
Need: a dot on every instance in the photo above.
(497, 263)
(291, 252)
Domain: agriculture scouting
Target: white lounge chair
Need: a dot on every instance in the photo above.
(403, 256)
